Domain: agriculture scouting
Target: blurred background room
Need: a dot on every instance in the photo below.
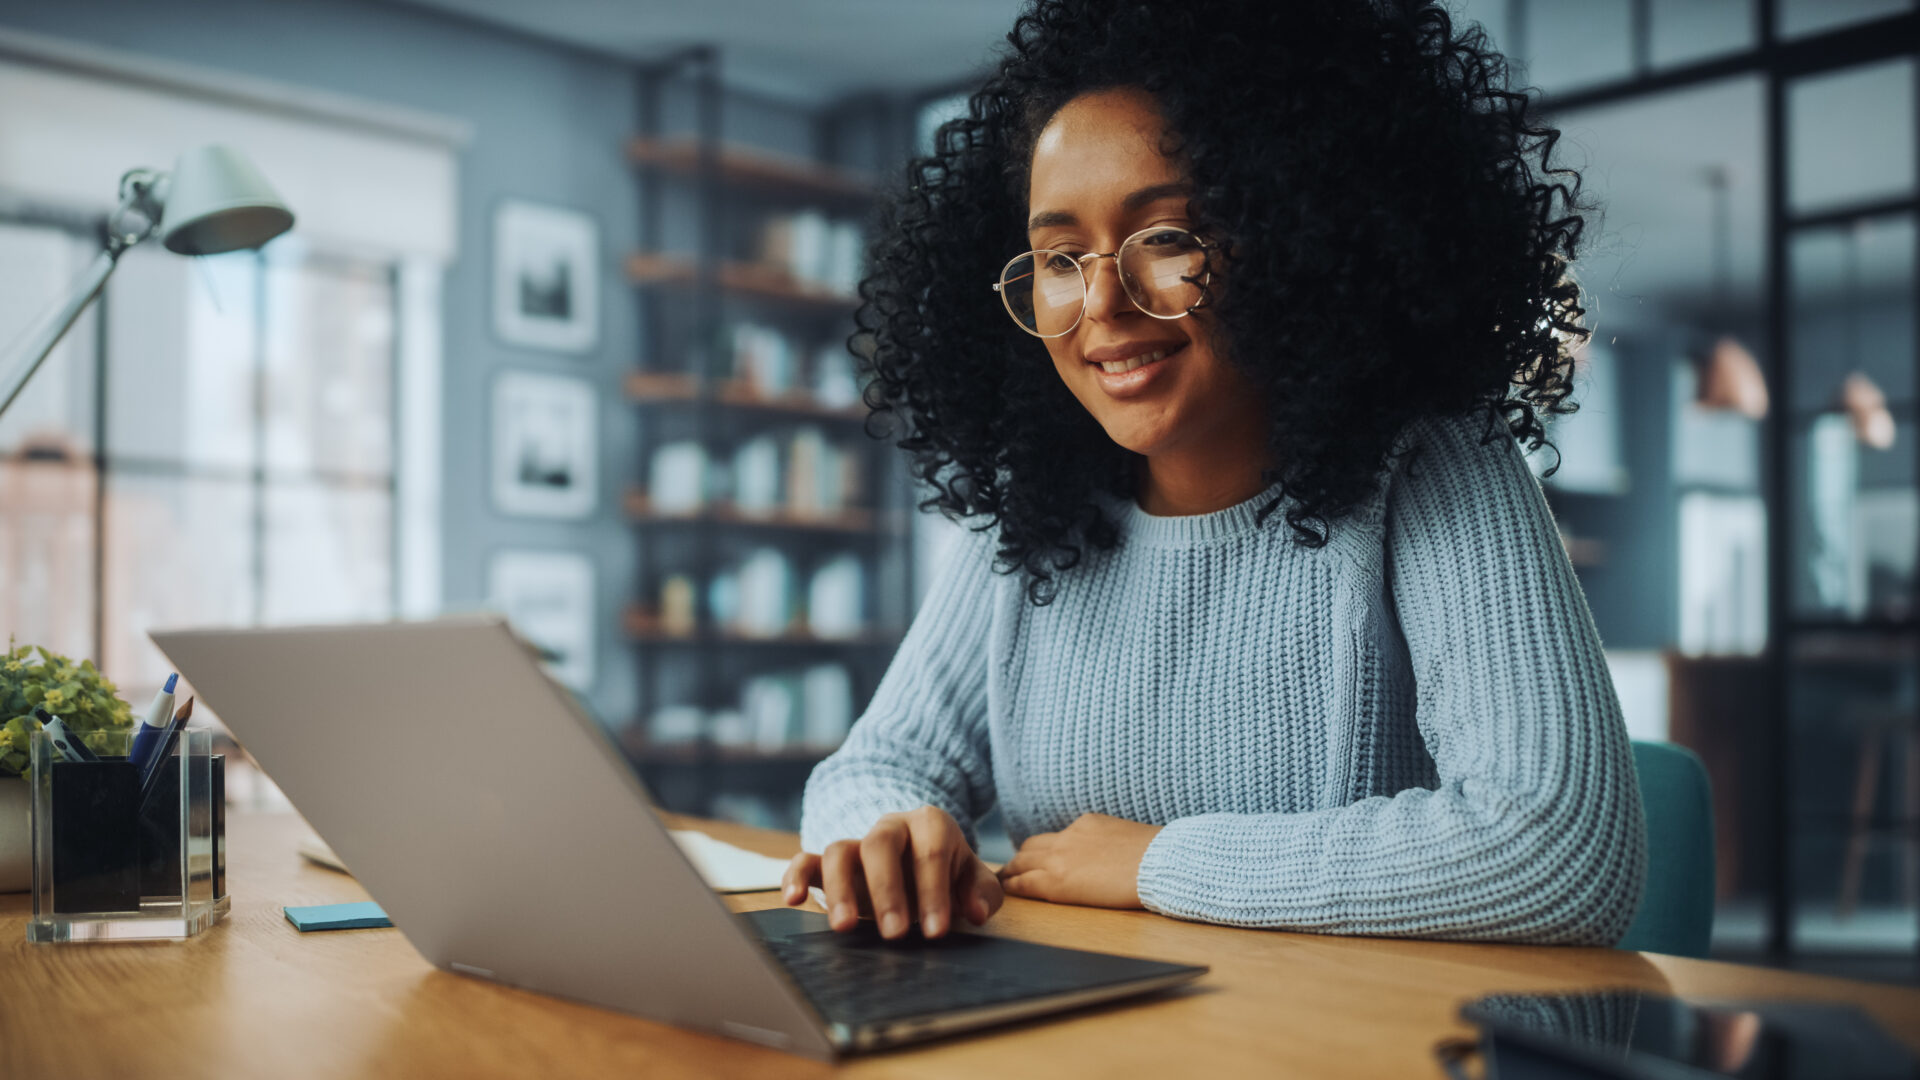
(562, 331)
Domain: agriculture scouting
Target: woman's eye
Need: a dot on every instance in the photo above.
(1167, 238)
(1060, 262)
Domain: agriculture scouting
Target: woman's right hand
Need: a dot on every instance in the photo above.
(909, 867)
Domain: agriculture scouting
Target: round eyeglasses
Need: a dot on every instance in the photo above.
(1163, 270)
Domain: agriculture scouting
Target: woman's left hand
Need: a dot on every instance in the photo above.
(1094, 861)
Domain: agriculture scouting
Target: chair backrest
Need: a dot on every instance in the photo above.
(1676, 910)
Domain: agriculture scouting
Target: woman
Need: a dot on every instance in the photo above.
(1263, 620)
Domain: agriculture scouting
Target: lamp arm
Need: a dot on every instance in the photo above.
(134, 221)
(42, 343)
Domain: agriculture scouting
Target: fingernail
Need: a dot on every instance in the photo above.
(893, 924)
(931, 925)
(842, 913)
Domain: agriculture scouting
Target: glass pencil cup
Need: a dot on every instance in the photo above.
(113, 861)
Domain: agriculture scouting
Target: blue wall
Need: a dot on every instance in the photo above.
(1632, 591)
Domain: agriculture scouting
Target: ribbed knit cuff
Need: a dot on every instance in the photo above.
(1165, 885)
(850, 808)
(849, 818)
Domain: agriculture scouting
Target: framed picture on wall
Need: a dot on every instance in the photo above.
(545, 445)
(546, 277)
(548, 597)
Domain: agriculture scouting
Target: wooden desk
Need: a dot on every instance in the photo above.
(255, 998)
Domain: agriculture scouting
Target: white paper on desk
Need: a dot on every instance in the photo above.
(727, 868)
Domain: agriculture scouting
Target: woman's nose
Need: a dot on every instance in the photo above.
(1106, 297)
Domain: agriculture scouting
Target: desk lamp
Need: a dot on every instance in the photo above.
(214, 201)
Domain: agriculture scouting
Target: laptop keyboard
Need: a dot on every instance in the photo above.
(858, 983)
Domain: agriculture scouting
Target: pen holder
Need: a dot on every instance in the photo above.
(112, 865)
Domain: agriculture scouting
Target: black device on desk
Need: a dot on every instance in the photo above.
(506, 837)
(1635, 1035)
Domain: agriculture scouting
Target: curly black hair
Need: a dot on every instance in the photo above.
(1397, 234)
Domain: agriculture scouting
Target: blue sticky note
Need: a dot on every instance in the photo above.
(359, 916)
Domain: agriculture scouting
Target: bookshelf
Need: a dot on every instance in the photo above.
(680, 389)
(741, 168)
(742, 279)
(758, 496)
(853, 521)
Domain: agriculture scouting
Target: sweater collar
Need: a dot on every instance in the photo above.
(1235, 520)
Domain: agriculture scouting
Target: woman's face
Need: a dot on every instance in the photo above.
(1156, 385)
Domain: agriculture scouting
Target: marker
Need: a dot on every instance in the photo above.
(161, 753)
(154, 727)
(64, 740)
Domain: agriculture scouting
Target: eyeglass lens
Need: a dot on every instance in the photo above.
(1160, 269)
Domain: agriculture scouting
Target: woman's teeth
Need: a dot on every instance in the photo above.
(1116, 367)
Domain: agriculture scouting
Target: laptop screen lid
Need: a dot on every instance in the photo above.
(490, 817)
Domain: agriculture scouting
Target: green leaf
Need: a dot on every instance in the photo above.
(84, 698)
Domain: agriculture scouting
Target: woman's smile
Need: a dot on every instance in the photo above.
(1132, 369)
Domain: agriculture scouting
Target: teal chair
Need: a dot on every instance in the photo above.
(1676, 910)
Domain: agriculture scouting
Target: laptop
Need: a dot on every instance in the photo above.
(508, 839)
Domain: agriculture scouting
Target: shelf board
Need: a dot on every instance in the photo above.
(645, 627)
(856, 521)
(1867, 624)
(756, 280)
(754, 170)
(670, 388)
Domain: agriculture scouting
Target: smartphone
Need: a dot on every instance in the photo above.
(1638, 1035)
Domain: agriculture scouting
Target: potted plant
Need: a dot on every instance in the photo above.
(86, 701)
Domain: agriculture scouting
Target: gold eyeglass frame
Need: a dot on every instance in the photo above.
(1080, 264)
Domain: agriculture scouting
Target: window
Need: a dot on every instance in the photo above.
(213, 446)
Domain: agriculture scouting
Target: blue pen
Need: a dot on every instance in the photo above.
(151, 774)
(154, 728)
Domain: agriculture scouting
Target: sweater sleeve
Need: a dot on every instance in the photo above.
(923, 739)
(1534, 829)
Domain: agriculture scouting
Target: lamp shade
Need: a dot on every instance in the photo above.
(216, 201)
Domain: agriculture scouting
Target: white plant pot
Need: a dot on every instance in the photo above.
(16, 844)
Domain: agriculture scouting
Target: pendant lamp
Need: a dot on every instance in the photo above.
(1860, 397)
(1730, 378)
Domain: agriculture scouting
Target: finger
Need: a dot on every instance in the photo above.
(839, 870)
(1028, 885)
(935, 845)
(802, 872)
(992, 894)
(976, 891)
(1027, 858)
(880, 854)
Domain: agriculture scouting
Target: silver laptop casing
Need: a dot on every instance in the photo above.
(498, 828)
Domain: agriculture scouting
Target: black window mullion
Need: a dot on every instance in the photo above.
(395, 552)
(259, 478)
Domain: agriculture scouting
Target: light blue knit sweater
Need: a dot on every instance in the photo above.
(1409, 731)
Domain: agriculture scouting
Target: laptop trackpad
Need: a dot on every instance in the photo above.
(784, 922)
